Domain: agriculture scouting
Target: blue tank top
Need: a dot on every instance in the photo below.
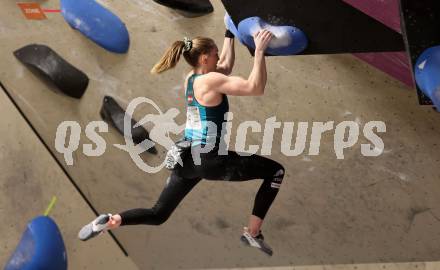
(198, 116)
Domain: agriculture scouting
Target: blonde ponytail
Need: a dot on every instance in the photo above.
(190, 49)
(170, 58)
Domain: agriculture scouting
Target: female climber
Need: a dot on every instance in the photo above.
(207, 86)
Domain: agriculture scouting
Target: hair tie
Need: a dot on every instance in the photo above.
(188, 44)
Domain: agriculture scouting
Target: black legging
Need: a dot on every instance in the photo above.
(231, 167)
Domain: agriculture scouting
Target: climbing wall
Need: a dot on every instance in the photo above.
(329, 211)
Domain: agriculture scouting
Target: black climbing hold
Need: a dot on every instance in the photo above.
(331, 26)
(114, 114)
(419, 21)
(68, 79)
(190, 8)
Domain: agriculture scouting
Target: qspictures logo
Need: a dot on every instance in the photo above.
(345, 135)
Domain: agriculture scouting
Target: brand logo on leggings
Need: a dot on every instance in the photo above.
(275, 185)
(277, 179)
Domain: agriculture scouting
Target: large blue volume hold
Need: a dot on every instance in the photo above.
(427, 74)
(97, 23)
(288, 40)
(41, 247)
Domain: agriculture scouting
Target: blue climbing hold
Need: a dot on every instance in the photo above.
(288, 40)
(97, 23)
(41, 247)
(427, 74)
